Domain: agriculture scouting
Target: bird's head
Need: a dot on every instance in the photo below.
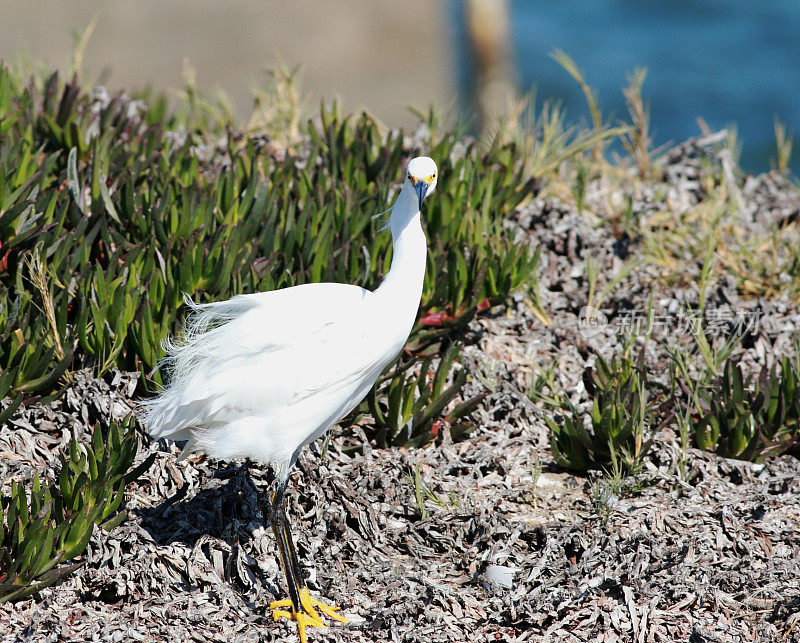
(421, 174)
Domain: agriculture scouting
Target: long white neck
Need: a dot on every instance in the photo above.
(402, 286)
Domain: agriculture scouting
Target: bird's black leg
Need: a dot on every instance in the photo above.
(280, 527)
(304, 607)
(294, 560)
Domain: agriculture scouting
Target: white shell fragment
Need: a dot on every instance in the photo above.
(499, 576)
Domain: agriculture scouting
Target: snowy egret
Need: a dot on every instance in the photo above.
(259, 376)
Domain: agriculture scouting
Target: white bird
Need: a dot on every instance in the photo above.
(259, 376)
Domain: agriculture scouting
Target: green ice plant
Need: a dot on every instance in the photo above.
(29, 542)
(751, 418)
(780, 415)
(411, 408)
(42, 529)
(619, 411)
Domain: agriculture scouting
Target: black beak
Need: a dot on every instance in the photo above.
(422, 189)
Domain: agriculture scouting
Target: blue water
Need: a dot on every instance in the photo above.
(727, 61)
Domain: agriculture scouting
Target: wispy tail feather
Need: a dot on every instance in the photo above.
(183, 403)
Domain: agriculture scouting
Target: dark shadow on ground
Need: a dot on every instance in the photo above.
(226, 506)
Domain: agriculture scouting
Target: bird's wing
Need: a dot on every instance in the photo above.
(259, 353)
(322, 341)
(264, 322)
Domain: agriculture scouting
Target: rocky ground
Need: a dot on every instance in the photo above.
(510, 547)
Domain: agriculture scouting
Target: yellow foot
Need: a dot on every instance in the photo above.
(309, 604)
(309, 617)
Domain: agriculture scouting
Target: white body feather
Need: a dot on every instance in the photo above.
(261, 375)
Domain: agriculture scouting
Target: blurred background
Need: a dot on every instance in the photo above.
(727, 61)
